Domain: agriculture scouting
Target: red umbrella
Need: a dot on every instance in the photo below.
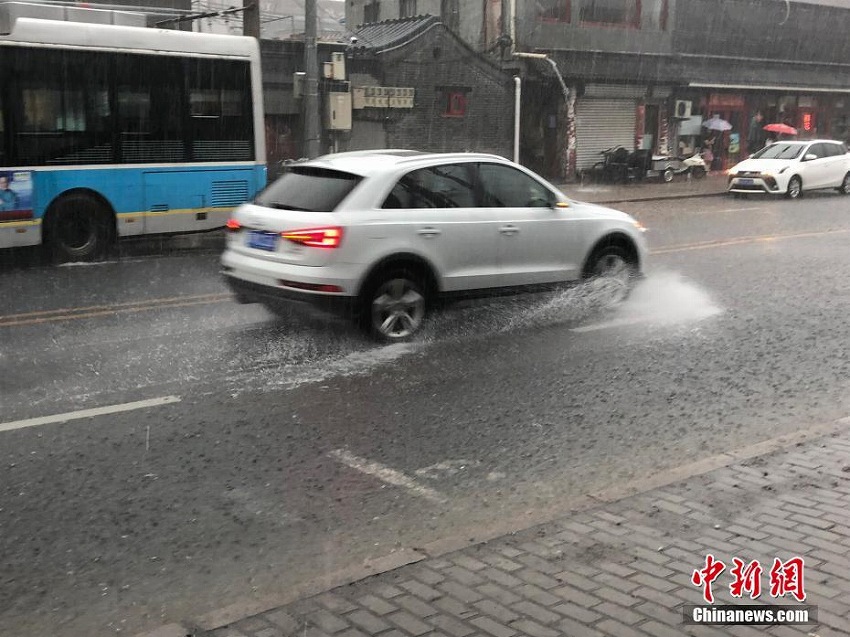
(781, 128)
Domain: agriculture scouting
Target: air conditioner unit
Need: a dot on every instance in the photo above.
(338, 64)
(683, 109)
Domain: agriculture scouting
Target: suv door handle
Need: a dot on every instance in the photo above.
(509, 230)
(429, 231)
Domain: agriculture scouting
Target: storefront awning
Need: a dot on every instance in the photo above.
(756, 87)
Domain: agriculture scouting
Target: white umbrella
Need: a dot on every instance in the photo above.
(715, 123)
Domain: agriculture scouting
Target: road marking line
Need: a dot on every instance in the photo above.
(703, 245)
(113, 312)
(732, 209)
(385, 474)
(89, 413)
(72, 312)
(613, 323)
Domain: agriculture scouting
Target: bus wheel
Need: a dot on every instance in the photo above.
(78, 228)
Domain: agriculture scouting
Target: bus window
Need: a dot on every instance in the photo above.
(64, 107)
(220, 101)
(4, 159)
(150, 105)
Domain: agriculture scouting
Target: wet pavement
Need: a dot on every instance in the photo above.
(295, 450)
(620, 564)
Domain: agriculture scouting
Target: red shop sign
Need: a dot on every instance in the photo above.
(725, 100)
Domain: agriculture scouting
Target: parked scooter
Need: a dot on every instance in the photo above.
(693, 166)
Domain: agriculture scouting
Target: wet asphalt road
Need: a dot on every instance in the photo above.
(262, 475)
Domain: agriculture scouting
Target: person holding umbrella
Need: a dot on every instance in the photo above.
(781, 129)
(715, 125)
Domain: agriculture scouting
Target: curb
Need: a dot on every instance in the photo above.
(653, 198)
(663, 197)
(243, 609)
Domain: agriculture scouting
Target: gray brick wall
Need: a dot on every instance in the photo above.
(435, 60)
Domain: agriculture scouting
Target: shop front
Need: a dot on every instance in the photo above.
(742, 116)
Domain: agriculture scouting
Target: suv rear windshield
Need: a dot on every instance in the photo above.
(309, 189)
(778, 150)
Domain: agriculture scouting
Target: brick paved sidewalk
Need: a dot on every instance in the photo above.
(621, 569)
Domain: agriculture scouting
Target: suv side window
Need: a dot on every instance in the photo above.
(507, 187)
(446, 186)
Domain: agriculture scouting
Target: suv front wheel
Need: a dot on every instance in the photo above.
(611, 272)
(394, 308)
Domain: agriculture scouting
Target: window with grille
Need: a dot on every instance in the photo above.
(454, 102)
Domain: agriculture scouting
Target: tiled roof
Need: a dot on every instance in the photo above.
(383, 35)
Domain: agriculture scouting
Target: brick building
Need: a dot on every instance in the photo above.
(463, 100)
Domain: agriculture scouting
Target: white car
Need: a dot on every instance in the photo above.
(385, 234)
(789, 167)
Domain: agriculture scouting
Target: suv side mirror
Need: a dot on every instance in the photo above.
(810, 157)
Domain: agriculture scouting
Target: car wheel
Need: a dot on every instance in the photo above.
(394, 308)
(795, 188)
(844, 189)
(611, 271)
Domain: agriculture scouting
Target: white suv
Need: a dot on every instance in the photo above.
(385, 234)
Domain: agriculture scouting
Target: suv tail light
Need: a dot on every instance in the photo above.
(315, 237)
(232, 225)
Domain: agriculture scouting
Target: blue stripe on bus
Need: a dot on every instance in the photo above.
(140, 189)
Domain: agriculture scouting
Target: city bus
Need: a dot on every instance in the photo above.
(111, 131)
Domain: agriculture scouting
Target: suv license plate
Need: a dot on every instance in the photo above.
(746, 182)
(262, 240)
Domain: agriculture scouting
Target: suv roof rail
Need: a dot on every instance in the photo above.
(455, 155)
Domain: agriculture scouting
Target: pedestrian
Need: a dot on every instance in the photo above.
(757, 136)
(708, 150)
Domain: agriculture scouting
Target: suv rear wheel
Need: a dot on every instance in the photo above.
(394, 307)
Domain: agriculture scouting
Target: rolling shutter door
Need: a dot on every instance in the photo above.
(600, 124)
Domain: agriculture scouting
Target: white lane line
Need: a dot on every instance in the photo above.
(735, 209)
(608, 324)
(88, 413)
(385, 474)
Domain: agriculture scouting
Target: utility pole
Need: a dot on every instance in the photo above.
(311, 89)
(251, 18)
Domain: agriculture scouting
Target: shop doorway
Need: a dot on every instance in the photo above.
(650, 131)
